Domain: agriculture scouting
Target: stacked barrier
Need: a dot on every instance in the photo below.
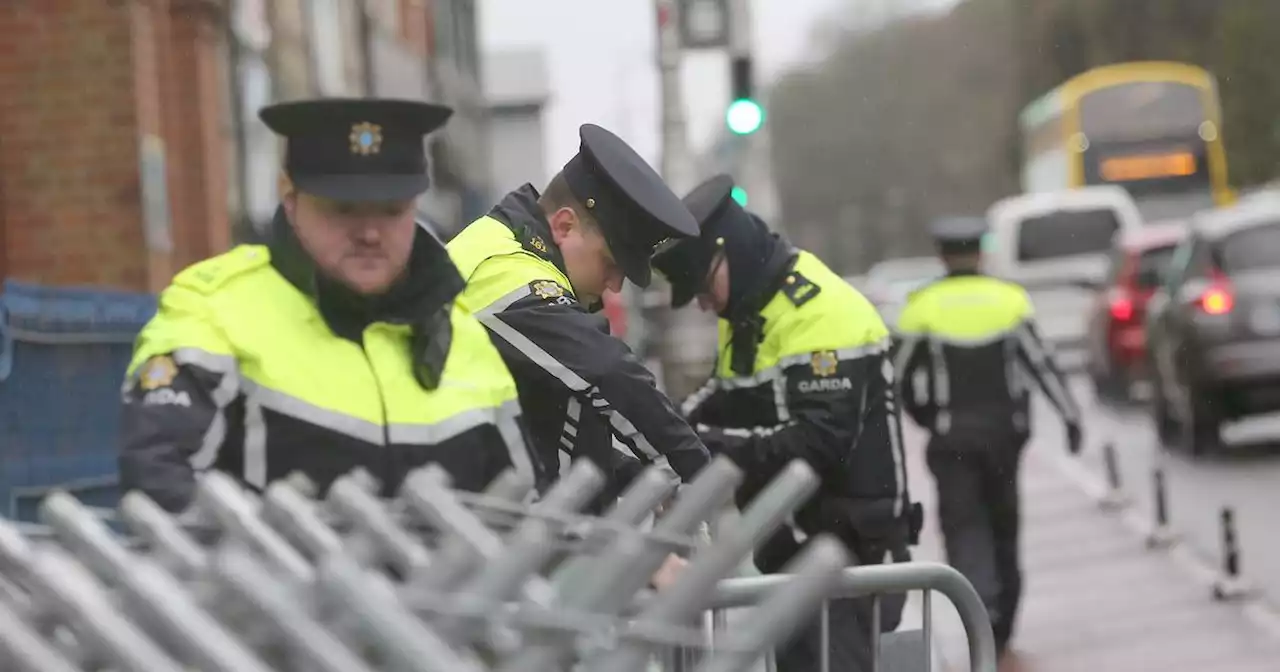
(63, 354)
(436, 580)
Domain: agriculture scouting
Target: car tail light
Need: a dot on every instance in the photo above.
(1121, 308)
(1218, 298)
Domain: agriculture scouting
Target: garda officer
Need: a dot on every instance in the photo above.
(536, 269)
(968, 351)
(336, 345)
(802, 372)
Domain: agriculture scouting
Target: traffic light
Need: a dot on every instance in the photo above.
(745, 115)
(740, 195)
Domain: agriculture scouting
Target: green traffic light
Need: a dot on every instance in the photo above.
(744, 116)
(740, 195)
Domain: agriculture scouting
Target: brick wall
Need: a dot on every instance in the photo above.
(82, 82)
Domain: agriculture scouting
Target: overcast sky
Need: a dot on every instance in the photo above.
(603, 63)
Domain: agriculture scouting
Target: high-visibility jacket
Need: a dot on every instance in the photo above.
(807, 376)
(968, 354)
(584, 392)
(241, 370)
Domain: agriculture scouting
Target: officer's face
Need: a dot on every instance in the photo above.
(590, 265)
(365, 246)
(714, 295)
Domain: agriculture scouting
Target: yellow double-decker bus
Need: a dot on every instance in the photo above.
(1153, 128)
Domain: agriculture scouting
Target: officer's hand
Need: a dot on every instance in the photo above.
(1075, 439)
(668, 572)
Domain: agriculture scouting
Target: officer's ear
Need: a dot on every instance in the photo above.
(563, 220)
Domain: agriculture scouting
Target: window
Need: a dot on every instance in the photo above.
(1142, 111)
(1066, 233)
(1152, 265)
(1251, 249)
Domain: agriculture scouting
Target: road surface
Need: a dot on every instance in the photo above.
(1245, 476)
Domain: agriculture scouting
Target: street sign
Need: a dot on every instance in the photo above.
(704, 24)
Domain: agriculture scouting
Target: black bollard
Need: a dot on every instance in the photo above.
(1229, 585)
(1162, 502)
(1160, 535)
(1113, 498)
(1230, 548)
(1111, 463)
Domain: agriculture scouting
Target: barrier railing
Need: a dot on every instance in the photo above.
(435, 580)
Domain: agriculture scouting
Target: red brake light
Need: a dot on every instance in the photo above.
(1121, 308)
(1217, 300)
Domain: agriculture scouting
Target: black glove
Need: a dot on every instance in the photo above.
(1075, 439)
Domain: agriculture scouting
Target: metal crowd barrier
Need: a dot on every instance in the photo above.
(435, 580)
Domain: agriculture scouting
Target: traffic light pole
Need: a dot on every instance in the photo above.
(676, 169)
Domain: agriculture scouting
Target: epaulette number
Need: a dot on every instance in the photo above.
(799, 289)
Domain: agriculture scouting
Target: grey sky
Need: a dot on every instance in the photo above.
(603, 70)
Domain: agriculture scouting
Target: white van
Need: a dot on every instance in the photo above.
(1057, 245)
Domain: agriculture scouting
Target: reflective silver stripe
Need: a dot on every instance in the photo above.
(222, 396)
(443, 430)
(780, 399)
(778, 370)
(508, 421)
(748, 432)
(1013, 380)
(285, 404)
(894, 421)
(1039, 356)
(566, 376)
(206, 360)
(255, 443)
(905, 351)
(505, 302)
(572, 415)
(693, 401)
(226, 392)
(941, 386)
(973, 341)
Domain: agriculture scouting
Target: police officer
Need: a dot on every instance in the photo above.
(336, 345)
(968, 352)
(536, 269)
(802, 372)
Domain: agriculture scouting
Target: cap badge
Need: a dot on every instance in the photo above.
(366, 138)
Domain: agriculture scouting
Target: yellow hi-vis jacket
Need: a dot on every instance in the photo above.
(240, 370)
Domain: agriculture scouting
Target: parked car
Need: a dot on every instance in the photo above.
(1117, 343)
(1213, 328)
(888, 283)
(1056, 244)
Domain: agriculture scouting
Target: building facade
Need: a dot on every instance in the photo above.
(517, 88)
(129, 140)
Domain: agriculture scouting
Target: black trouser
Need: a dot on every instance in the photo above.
(978, 509)
(850, 622)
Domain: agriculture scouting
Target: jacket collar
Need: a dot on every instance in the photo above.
(520, 212)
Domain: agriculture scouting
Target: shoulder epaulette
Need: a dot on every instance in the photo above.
(211, 274)
(799, 289)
